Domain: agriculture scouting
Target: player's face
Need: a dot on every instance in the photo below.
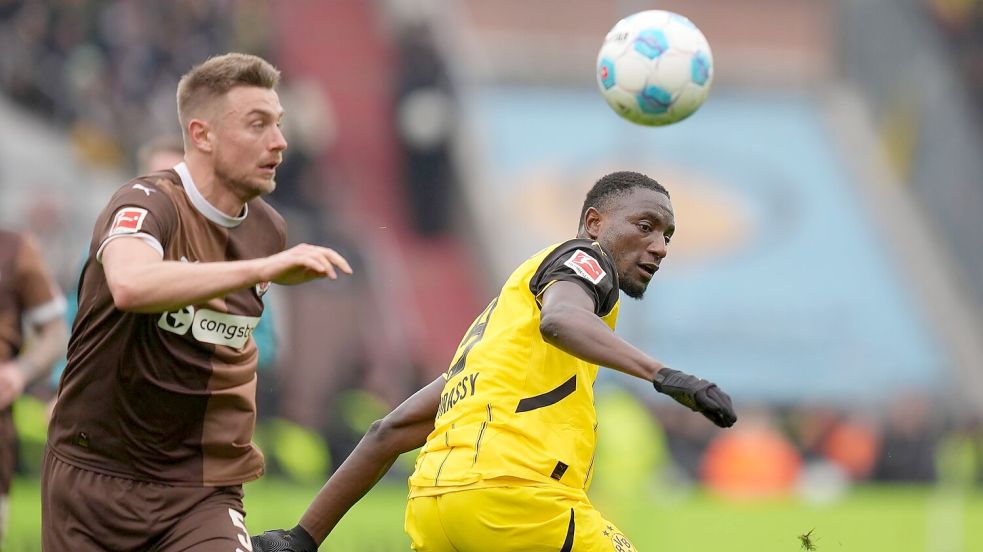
(635, 230)
(248, 140)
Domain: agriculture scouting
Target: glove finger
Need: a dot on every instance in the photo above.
(725, 407)
(708, 406)
(711, 406)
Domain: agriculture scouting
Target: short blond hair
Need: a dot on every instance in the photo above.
(216, 76)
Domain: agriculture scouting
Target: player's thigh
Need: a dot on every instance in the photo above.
(84, 511)
(592, 532)
(216, 523)
(424, 527)
(528, 519)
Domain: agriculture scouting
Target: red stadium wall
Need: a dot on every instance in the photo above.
(426, 284)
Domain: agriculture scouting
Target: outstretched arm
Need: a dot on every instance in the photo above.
(568, 322)
(140, 281)
(402, 430)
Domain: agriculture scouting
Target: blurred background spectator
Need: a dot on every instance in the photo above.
(828, 268)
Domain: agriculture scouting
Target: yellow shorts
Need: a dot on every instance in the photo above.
(527, 519)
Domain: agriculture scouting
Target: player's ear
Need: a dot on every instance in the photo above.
(592, 223)
(200, 135)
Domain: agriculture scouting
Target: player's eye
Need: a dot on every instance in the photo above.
(258, 125)
(668, 238)
(644, 227)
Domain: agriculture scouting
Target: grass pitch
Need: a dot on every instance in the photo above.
(870, 518)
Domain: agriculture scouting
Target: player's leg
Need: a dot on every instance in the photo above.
(424, 527)
(210, 520)
(84, 511)
(528, 519)
(593, 532)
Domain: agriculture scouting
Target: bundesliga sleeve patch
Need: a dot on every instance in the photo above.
(128, 220)
(586, 267)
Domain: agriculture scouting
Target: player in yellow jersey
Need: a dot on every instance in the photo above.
(508, 432)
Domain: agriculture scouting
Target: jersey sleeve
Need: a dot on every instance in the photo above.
(137, 210)
(584, 263)
(36, 288)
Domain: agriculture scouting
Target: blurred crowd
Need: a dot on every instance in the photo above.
(961, 23)
(107, 72)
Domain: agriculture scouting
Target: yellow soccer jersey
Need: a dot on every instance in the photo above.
(514, 406)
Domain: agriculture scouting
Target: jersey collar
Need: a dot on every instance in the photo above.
(202, 205)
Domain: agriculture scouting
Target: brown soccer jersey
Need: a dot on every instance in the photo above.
(167, 397)
(28, 295)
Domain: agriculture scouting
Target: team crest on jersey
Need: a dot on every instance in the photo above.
(262, 288)
(619, 542)
(586, 267)
(128, 220)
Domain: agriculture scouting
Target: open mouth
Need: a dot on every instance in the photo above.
(649, 269)
(271, 166)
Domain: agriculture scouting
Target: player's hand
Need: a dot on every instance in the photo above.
(12, 382)
(280, 540)
(697, 394)
(303, 263)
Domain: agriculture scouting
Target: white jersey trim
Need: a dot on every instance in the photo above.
(147, 238)
(209, 211)
(46, 312)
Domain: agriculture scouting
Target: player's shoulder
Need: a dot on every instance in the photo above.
(260, 208)
(569, 249)
(159, 185)
(577, 243)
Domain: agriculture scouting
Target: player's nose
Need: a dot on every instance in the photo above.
(657, 247)
(279, 141)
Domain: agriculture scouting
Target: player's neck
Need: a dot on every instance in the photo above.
(216, 191)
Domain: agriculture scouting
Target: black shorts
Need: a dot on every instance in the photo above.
(86, 511)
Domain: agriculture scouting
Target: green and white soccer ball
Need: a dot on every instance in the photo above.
(655, 68)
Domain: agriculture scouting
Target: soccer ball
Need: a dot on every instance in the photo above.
(655, 68)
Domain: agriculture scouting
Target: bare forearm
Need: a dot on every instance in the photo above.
(402, 430)
(170, 285)
(584, 335)
(49, 344)
(366, 465)
(356, 476)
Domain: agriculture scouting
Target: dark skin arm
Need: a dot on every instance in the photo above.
(402, 430)
(568, 322)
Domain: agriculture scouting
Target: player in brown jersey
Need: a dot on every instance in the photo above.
(28, 297)
(151, 438)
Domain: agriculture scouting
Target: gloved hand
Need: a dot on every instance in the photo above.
(279, 540)
(696, 394)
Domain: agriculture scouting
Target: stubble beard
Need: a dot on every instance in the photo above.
(242, 186)
(632, 288)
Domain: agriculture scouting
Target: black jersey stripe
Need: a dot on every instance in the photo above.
(548, 398)
(571, 529)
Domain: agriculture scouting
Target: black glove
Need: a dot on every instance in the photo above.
(279, 540)
(696, 394)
